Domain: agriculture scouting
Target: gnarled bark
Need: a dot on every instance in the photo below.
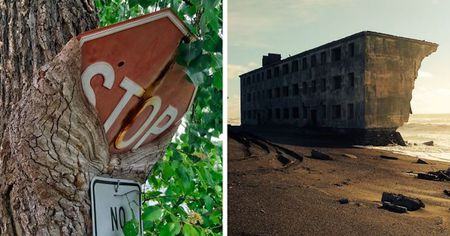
(52, 142)
(31, 34)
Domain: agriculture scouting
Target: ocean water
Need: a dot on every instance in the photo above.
(423, 128)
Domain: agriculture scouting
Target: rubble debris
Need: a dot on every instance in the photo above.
(412, 204)
(320, 155)
(389, 157)
(441, 175)
(447, 192)
(429, 143)
(427, 176)
(420, 161)
(343, 201)
(350, 156)
(281, 158)
(394, 208)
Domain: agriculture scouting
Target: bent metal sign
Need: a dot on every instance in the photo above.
(130, 76)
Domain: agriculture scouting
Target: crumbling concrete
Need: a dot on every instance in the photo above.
(360, 86)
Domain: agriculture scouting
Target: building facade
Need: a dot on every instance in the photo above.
(363, 81)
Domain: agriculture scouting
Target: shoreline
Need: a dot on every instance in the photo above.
(278, 194)
(423, 154)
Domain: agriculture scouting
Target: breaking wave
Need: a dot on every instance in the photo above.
(424, 128)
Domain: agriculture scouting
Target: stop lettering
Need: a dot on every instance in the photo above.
(130, 76)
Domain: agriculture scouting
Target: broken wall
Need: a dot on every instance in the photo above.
(391, 67)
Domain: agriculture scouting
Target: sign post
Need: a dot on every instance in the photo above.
(113, 203)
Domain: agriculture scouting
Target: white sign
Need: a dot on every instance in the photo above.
(113, 203)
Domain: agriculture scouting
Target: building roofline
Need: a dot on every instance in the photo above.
(347, 38)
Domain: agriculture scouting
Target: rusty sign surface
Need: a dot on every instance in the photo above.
(130, 76)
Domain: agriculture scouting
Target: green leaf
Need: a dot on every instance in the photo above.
(151, 195)
(197, 78)
(201, 63)
(152, 213)
(147, 3)
(215, 217)
(217, 80)
(142, 3)
(131, 228)
(187, 52)
(170, 229)
(167, 172)
(132, 3)
(209, 203)
(189, 230)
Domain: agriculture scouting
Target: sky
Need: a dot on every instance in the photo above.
(288, 27)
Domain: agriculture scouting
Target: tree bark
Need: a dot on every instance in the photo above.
(31, 34)
(52, 141)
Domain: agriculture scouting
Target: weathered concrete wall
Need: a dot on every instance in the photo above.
(315, 106)
(392, 65)
(343, 96)
(384, 68)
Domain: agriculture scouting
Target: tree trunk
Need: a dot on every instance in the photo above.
(52, 141)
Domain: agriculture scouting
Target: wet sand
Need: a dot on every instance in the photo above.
(275, 188)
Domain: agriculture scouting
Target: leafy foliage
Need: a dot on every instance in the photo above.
(185, 193)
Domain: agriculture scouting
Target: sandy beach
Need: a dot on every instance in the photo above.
(276, 188)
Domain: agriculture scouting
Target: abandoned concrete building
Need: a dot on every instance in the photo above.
(360, 84)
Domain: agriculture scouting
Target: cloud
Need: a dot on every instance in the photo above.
(430, 100)
(235, 70)
(424, 74)
(245, 18)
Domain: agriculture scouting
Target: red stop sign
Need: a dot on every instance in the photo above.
(130, 76)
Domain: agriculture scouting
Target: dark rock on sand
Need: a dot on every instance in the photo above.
(343, 201)
(412, 204)
(429, 143)
(320, 155)
(427, 176)
(446, 192)
(420, 161)
(281, 158)
(394, 208)
(441, 175)
(388, 157)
